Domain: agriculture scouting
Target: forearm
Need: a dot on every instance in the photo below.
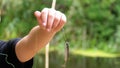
(32, 43)
(39, 37)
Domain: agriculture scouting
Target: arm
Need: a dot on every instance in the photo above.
(50, 22)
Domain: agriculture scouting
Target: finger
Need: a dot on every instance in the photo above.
(61, 23)
(44, 17)
(38, 16)
(56, 19)
(51, 15)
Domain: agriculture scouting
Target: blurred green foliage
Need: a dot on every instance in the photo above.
(95, 24)
(92, 24)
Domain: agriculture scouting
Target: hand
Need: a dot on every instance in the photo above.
(50, 19)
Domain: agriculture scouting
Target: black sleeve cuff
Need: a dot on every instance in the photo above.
(9, 49)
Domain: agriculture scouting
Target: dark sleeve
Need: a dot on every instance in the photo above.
(9, 49)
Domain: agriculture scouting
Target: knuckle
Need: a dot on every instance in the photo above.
(51, 15)
(43, 13)
(45, 10)
(57, 18)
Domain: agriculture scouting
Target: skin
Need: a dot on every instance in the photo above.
(50, 22)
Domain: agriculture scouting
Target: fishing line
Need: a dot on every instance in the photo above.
(66, 53)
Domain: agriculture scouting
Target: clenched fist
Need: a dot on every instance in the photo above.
(50, 19)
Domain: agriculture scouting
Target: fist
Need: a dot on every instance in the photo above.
(50, 19)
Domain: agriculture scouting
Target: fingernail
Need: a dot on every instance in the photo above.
(44, 24)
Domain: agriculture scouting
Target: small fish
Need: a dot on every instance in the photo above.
(66, 54)
(66, 51)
